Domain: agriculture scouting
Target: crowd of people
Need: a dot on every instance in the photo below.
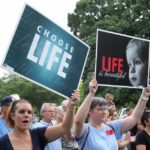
(95, 126)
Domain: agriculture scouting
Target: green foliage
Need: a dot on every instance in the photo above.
(37, 95)
(129, 17)
(124, 16)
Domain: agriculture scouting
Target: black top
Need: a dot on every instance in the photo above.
(143, 138)
(38, 140)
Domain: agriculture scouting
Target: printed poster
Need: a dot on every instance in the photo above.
(44, 53)
(121, 60)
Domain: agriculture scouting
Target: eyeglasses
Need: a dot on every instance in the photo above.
(50, 111)
(110, 99)
(102, 107)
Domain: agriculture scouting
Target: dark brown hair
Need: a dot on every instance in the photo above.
(145, 117)
(98, 101)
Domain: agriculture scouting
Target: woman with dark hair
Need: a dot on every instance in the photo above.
(23, 138)
(96, 135)
(143, 137)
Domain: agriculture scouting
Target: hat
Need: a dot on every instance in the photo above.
(6, 100)
(15, 96)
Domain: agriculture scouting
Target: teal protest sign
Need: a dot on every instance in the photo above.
(44, 53)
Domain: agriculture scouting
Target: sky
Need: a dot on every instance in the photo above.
(11, 10)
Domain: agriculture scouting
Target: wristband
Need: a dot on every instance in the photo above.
(144, 98)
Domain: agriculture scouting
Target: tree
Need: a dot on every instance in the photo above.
(129, 17)
(13, 84)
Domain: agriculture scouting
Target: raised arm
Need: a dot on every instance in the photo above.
(129, 122)
(59, 130)
(84, 108)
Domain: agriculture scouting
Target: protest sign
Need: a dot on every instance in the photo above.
(46, 54)
(121, 60)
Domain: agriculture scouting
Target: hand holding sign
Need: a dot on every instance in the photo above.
(146, 93)
(75, 97)
(93, 84)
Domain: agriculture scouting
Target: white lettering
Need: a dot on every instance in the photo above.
(53, 38)
(60, 42)
(33, 48)
(39, 28)
(64, 64)
(53, 57)
(66, 46)
(46, 33)
(44, 53)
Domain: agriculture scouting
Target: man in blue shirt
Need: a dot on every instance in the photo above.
(5, 103)
(48, 111)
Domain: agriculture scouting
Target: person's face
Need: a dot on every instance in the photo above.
(139, 126)
(107, 117)
(49, 113)
(22, 116)
(110, 98)
(99, 114)
(137, 67)
(115, 115)
(60, 115)
(5, 108)
(147, 122)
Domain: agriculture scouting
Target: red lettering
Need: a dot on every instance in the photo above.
(109, 63)
(120, 65)
(103, 64)
(112, 64)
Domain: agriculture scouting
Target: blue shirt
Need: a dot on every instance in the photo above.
(55, 145)
(103, 139)
(4, 129)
